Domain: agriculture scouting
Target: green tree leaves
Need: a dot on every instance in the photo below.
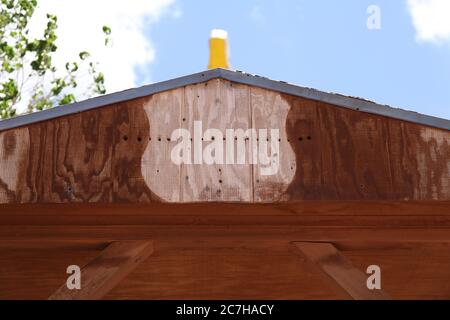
(25, 60)
(107, 32)
(8, 94)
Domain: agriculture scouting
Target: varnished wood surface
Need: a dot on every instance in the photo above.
(310, 213)
(228, 250)
(338, 271)
(102, 274)
(121, 153)
(376, 188)
(315, 208)
(225, 268)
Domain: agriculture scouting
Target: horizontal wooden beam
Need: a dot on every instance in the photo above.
(342, 245)
(38, 244)
(338, 271)
(227, 220)
(295, 208)
(103, 273)
(193, 232)
(304, 214)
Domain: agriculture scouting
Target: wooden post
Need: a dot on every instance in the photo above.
(103, 273)
(338, 271)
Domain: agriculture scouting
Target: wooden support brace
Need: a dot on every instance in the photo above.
(103, 273)
(338, 271)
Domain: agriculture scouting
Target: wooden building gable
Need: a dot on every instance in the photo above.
(119, 148)
(139, 190)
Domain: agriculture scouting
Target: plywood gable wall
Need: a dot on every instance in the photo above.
(121, 153)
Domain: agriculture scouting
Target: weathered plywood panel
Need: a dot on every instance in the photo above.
(354, 155)
(160, 173)
(131, 137)
(80, 160)
(122, 152)
(304, 135)
(270, 110)
(14, 146)
(64, 160)
(419, 160)
(216, 105)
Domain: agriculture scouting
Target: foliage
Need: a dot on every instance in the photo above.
(27, 73)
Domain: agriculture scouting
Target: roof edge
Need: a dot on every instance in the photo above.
(343, 101)
(234, 76)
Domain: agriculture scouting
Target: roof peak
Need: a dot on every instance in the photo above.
(353, 103)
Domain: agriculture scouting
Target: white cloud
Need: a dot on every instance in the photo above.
(80, 28)
(431, 18)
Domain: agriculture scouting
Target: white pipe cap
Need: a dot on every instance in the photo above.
(219, 34)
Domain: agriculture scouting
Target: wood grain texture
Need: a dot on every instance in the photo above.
(64, 160)
(82, 158)
(14, 147)
(310, 214)
(131, 137)
(378, 190)
(262, 269)
(103, 273)
(303, 131)
(223, 270)
(419, 161)
(219, 105)
(35, 273)
(338, 271)
(229, 267)
(228, 250)
(270, 111)
(355, 158)
(160, 174)
(121, 153)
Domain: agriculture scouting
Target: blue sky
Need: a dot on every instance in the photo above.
(324, 44)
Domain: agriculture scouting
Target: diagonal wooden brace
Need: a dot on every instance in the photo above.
(103, 273)
(337, 270)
